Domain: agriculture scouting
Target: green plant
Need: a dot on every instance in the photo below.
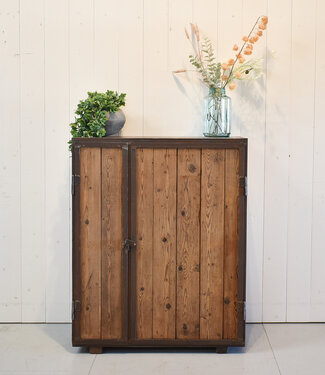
(91, 113)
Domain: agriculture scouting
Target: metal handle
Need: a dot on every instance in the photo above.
(127, 244)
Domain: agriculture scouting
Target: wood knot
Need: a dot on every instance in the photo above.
(86, 221)
(183, 213)
(227, 301)
(168, 306)
(197, 268)
(87, 307)
(140, 238)
(184, 326)
(192, 168)
(142, 289)
(164, 239)
(180, 268)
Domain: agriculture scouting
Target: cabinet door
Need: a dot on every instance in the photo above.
(102, 283)
(186, 262)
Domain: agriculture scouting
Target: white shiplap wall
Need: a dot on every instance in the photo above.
(53, 52)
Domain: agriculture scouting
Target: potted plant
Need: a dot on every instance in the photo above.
(99, 115)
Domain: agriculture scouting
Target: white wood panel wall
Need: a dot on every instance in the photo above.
(52, 53)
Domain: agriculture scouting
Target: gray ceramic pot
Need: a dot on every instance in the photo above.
(115, 122)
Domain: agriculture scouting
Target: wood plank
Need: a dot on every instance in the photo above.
(301, 143)
(111, 243)
(317, 307)
(144, 242)
(105, 32)
(130, 76)
(185, 102)
(32, 167)
(212, 244)
(188, 243)
(164, 257)
(252, 101)
(82, 51)
(230, 31)
(90, 238)
(10, 225)
(230, 284)
(57, 195)
(279, 38)
(166, 49)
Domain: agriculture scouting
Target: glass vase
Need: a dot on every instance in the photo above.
(217, 113)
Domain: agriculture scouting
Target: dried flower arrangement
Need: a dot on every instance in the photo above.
(219, 75)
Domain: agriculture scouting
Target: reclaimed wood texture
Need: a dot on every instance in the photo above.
(188, 243)
(90, 238)
(231, 245)
(112, 243)
(144, 162)
(164, 257)
(212, 244)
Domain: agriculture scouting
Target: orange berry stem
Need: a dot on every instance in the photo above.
(240, 51)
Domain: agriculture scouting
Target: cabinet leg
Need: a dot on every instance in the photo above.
(221, 349)
(95, 350)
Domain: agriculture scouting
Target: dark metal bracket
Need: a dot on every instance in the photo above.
(243, 184)
(127, 244)
(74, 307)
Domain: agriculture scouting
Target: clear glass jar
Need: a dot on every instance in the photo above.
(217, 113)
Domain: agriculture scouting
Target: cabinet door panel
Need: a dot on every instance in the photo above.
(156, 243)
(90, 243)
(231, 245)
(188, 243)
(145, 206)
(164, 242)
(101, 236)
(112, 182)
(212, 243)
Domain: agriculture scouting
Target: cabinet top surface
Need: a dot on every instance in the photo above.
(159, 141)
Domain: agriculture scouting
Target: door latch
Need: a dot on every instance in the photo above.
(127, 244)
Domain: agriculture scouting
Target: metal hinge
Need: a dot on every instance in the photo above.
(75, 306)
(243, 183)
(243, 308)
(75, 180)
(127, 244)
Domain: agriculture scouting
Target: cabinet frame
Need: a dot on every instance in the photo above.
(129, 147)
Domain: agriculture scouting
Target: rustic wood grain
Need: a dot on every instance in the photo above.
(112, 243)
(90, 240)
(164, 257)
(188, 243)
(231, 244)
(144, 181)
(212, 244)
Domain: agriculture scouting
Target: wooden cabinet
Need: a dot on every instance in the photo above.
(159, 242)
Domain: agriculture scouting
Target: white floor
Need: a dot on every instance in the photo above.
(272, 349)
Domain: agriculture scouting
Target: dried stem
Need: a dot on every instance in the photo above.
(232, 68)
